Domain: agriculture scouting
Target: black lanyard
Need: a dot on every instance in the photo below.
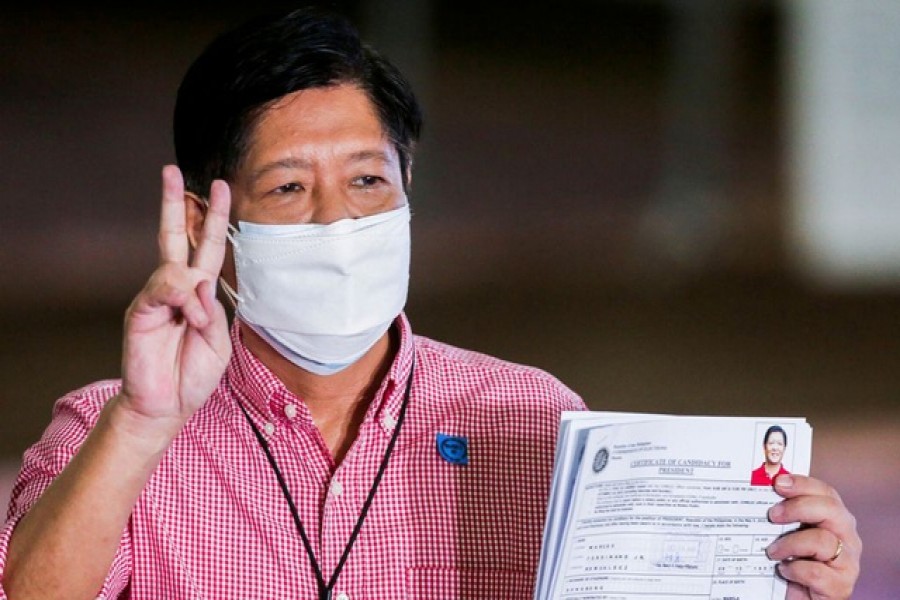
(325, 589)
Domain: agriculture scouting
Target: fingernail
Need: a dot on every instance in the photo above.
(771, 548)
(775, 512)
(784, 481)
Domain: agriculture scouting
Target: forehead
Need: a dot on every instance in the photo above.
(317, 121)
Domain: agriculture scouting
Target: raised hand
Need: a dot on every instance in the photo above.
(821, 559)
(176, 343)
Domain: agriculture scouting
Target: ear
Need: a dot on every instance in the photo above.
(195, 215)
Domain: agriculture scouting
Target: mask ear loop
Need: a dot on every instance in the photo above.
(230, 293)
(231, 234)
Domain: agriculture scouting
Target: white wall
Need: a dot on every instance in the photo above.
(843, 77)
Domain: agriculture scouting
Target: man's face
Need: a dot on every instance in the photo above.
(317, 156)
(774, 448)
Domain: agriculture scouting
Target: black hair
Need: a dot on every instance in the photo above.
(774, 429)
(243, 71)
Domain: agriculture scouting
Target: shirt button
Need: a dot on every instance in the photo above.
(389, 421)
(269, 428)
(290, 411)
(342, 596)
(336, 488)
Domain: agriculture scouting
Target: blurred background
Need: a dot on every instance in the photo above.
(681, 206)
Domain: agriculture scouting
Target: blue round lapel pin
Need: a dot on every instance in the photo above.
(453, 448)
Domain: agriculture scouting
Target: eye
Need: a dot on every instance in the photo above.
(288, 188)
(366, 181)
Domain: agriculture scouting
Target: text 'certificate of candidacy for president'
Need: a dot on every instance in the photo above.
(674, 508)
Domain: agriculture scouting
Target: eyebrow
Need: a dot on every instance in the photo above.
(302, 163)
(284, 163)
(364, 155)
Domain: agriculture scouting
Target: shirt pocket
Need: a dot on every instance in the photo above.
(445, 583)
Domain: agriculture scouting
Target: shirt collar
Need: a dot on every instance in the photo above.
(267, 395)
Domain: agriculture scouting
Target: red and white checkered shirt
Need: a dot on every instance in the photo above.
(212, 522)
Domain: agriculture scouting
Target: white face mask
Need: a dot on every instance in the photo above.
(322, 295)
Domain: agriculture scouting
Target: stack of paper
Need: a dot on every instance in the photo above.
(655, 507)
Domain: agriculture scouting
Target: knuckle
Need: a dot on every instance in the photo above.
(833, 493)
(167, 280)
(853, 572)
(788, 570)
(163, 276)
(844, 589)
(825, 539)
(813, 509)
(213, 238)
(791, 508)
(165, 235)
(815, 575)
(825, 505)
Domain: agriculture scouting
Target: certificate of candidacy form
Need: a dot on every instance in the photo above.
(653, 507)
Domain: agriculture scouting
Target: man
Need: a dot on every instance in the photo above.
(774, 443)
(317, 449)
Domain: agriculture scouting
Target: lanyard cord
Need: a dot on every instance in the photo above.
(325, 589)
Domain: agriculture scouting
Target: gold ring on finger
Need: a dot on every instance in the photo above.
(837, 551)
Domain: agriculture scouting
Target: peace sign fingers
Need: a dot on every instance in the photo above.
(176, 344)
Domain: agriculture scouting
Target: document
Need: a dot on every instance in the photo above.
(654, 507)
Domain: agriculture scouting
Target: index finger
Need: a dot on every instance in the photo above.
(173, 242)
(813, 502)
(791, 485)
(211, 247)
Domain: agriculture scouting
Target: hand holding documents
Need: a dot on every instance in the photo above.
(653, 507)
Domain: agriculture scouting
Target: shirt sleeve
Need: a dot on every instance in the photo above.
(73, 417)
(574, 402)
